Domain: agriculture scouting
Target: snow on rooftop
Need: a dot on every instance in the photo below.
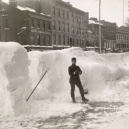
(45, 14)
(25, 8)
(6, 1)
(93, 22)
(89, 31)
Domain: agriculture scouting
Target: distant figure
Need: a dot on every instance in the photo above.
(75, 72)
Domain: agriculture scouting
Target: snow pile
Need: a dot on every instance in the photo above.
(56, 80)
(13, 78)
(105, 76)
(100, 75)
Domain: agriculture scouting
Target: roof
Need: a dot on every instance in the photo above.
(81, 11)
(4, 1)
(68, 3)
(25, 9)
(107, 22)
(96, 23)
(22, 8)
(124, 28)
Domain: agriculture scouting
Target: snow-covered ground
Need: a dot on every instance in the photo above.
(105, 76)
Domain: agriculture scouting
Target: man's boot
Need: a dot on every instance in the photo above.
(85, 100)
(74, 101)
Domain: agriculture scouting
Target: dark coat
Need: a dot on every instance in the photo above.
(74, 78)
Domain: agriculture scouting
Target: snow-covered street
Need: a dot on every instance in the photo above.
(105, 76)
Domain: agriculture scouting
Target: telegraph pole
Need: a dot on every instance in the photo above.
(100, 41)
(2, 18)
(123, 12)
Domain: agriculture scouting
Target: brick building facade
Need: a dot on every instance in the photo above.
(110, 34)
(94, 28)
(122, 38)
(69, 24)
(25, 25)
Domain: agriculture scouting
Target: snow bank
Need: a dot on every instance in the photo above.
(105, 76)
(13, 78)
(100, 73)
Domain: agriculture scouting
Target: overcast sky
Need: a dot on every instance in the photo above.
(112, 10)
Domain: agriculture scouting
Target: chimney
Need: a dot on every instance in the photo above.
(37, 6)
(13, 3)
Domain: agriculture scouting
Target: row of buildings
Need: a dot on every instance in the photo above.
(57, 23)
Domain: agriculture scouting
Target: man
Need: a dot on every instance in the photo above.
(74, 72)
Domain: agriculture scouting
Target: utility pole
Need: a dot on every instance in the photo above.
(2, 18)
(100, 41)
(123, 12)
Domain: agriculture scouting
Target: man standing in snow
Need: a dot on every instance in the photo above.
(74, 72)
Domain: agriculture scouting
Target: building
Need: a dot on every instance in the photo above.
(110, 34)
(25, 25)
(90, 39)
(79, 21)
(4, 31)
(122, 38)
(69, 24)
(94, 28)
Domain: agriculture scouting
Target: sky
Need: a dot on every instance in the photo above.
(111, 10)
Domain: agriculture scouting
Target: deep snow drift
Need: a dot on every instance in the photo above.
(105, 76)
(99, 73)
(13, 78)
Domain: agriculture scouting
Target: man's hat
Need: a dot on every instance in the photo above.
(73, 59)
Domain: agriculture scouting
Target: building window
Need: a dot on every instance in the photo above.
(82, 22)
(63, 39)
(73, 18)
(73, 42)
(48, 40)
(77, 31)
(54, 11)
(83, 42)
(68, 15)
(32, 39)
(23, 23)
(43, 25)
(32, 23)
(63, 14)
(77, 19)
(59, 39)
(6, 24)
(63, 27)
(68, 40)
(54, 39)
(44, 43)
(82, 33)
(58, 12)
(54, 25)
(49, 26)
(38, 39)
(67, 27)
(73, 30)
(117, 36)
(59, 28)
(77, 42)
(39, 24)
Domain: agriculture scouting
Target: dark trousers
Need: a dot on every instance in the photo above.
(79, 85)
